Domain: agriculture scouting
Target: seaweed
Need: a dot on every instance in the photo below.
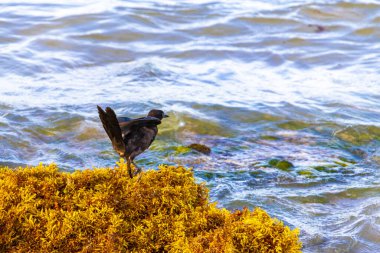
(102, 210)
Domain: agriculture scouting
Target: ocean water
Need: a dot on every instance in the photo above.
(255, 81)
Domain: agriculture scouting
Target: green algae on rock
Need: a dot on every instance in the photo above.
(326, 169)
(281, 164)
(179, 150)
(306, 173)
(293, 125)
(359, 135)
(103, 210)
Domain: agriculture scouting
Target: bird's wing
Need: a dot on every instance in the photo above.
(111, 125)
(123, 119)
(128, 126)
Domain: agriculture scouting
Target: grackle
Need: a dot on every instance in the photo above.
(131, 137)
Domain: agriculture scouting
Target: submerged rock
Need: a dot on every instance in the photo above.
(359, 135)
(281, 164)
(347, 160)
(358, 152)
(376, 157)
(306, 173)
(326, 169)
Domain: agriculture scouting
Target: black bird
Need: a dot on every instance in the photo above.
(131, 137)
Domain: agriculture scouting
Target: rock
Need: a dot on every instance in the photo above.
(200, 148)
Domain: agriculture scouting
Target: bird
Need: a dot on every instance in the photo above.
(131, 137)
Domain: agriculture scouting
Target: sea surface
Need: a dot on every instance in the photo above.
(257, 81)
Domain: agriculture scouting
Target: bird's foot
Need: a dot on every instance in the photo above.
(137, 169)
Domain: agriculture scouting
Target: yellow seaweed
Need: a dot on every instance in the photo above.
(102, 210)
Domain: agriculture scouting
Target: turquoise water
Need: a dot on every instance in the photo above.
(253, 80)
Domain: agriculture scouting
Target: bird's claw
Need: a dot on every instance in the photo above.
(137, 171)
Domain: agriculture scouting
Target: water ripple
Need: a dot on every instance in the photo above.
(254, 80)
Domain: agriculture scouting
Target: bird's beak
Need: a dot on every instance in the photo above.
(166, 116)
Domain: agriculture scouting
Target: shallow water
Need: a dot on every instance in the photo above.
(254, 80)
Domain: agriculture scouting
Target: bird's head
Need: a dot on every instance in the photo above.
(157, 114)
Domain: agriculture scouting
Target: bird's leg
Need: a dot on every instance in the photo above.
(129, 167)
(137, 167)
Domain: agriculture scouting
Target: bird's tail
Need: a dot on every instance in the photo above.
(111, 125)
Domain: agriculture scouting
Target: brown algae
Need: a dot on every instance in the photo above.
(103, 210)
